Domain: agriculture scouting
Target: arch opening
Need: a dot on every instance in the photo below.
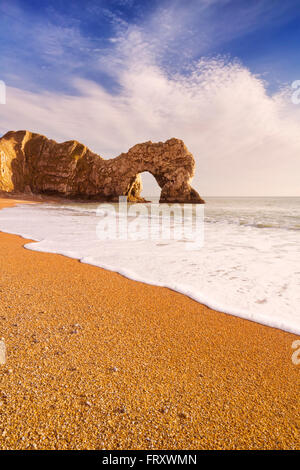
(151, 190)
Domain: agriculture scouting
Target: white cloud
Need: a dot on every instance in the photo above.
(244, 142)
(177, 31)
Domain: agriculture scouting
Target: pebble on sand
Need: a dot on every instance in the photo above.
(2, 352)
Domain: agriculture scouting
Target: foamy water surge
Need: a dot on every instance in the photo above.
(249, 265)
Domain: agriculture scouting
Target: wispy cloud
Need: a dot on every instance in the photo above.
(245, 142)
(180, 31)
(46, 47)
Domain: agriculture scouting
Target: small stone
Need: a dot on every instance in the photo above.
(164, 409)
(114, 369)
(121, 410)
(2, 352)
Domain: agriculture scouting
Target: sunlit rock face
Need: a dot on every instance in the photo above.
(31, 163)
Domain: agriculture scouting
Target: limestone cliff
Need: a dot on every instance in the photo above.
(31, 163)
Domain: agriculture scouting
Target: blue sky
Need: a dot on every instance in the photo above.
(44, 43)
(111, 73)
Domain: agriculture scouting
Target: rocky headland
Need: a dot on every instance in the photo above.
(33, 164)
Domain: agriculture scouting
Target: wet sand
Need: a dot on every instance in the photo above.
(97, 361)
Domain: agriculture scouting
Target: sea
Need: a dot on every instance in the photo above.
(240, 256)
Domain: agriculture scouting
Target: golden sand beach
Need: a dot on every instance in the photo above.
(97, 361)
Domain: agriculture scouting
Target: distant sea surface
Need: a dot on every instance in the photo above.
(249, 265)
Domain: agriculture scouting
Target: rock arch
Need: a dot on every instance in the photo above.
(40, 165)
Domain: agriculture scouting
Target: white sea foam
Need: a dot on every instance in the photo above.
(249, 265)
